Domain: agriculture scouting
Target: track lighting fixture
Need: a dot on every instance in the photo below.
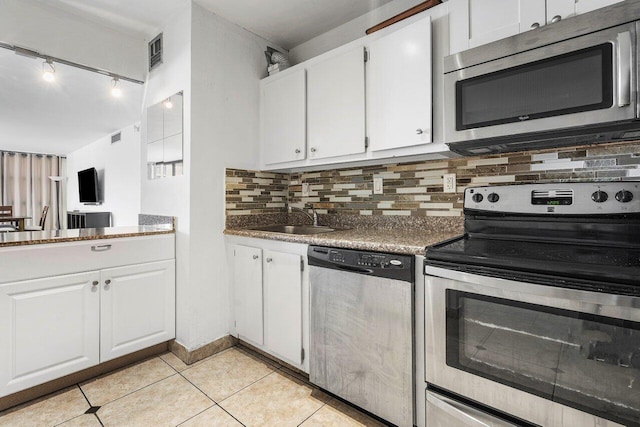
(116, 92)
(48, 71)
(168, 103)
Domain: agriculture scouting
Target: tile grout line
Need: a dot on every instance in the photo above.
(214, 401)
(137, 390)
(193, 416)
(90, 405)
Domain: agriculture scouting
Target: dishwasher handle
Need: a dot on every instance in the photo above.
(353, 269)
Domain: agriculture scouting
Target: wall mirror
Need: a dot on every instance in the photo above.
(164, 138)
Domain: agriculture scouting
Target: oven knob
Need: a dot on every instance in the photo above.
(599, 196)
(477, 197)
(624, 196)
(493, 197)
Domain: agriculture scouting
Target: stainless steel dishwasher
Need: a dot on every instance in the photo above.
(361, 346)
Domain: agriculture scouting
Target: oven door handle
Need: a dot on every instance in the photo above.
(466, 417)
(624, 56)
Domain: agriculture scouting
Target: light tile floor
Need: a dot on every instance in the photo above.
(232, 388)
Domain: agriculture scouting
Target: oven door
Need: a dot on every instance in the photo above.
(551, 356)
(585, 81)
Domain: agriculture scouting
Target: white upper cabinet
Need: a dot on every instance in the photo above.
(283, 115)
(476, 22)
(336, 105)
(399, 88)
(584, 6)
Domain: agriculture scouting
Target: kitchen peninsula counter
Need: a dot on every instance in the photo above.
(24, 238)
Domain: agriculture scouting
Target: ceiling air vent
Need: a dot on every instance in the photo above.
(116, 137)
(155, 52)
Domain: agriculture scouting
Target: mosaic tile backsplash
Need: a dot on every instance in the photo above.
(416, 189)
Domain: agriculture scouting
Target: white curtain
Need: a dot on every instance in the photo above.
(26, 185)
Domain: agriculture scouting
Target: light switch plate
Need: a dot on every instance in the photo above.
(377, 185)
(305, 189)
(449, 182)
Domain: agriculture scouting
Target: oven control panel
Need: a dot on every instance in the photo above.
(583, 198)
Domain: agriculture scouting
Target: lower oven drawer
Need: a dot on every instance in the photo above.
(549, 355)
(445, 412)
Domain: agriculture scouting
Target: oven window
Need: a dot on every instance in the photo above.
(588, 362)
(570, 83)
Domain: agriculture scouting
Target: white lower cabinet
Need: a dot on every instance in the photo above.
(271, 297)
(137, 308)
(48, 328)
(57, 325)
(282, 278)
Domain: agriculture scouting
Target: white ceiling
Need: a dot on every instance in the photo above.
(286, 23)
(59, 117)
(289, 23)
(77, 109)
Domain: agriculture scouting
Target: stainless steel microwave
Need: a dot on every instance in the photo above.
(572, 82)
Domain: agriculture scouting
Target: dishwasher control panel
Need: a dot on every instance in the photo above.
(372, 263)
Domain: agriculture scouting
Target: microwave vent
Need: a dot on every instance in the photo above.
(116, 137)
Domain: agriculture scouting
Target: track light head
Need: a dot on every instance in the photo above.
(116, 91)
(48, 71)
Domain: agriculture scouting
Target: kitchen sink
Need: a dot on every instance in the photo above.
(295, 229)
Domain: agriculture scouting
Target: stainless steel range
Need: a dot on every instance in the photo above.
(533, 315)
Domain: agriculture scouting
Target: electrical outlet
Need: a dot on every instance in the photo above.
(305, 189)
(449, 182)
(377, 185)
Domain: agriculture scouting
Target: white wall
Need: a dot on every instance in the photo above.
(171, 196)
(118, 167)
(34, 25)
(227, 65)
(348, 32)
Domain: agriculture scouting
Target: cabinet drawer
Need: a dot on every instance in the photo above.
(31, 262)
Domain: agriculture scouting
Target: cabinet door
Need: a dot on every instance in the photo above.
(247, 281)
(560, 9)
(477, 22)
(282, 278)
(584, 6)
(336, 106)
(284, 118)
(137, 307)
(48, 328)
(399, 88)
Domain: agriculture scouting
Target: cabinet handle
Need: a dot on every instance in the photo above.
(535, 25)
(269, 259)
(256, 257)
(107, 282)
(555, 19)
(419, 131)
(95, 283)
(297, 151)
(313, 149)
(100, 248)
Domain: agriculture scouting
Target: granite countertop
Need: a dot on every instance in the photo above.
(23, 238)
(402, 241)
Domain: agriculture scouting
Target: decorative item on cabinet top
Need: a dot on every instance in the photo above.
(276, 61)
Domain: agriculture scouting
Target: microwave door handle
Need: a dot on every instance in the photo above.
(624, 55)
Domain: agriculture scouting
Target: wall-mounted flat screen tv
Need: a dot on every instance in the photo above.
(88, 186)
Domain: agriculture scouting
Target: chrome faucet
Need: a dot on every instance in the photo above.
(313, 217)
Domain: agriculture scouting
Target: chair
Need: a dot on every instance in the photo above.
(43, 218)
(6, 211)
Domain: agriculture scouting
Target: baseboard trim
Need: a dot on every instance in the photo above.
(192, 356)
(80, 376)
(273, 358)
